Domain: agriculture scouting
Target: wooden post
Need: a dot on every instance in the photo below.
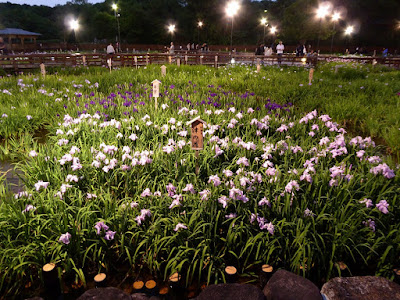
(176, 290)
(163, 70)
(51, 281)
(138, 286)
(186, 59)
(43, 69)
(151, 287)
(178, 62)
(147, 59)
(216, 61)
(201, 59)
(396, 275)
(231, 273)
(310, 76)
(169, 59)
(100, 280)
(135, 59)
(196, 138)
(84, 60)
(266, 273)
(258, 65)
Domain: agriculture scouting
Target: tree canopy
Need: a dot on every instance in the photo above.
(145, 22)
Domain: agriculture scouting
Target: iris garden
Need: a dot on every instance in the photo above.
(300, 176)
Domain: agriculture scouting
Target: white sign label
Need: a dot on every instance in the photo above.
(156, 88)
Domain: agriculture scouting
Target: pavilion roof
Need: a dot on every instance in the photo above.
(17, 31)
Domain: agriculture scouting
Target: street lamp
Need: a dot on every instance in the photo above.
(114, 6)
(263, 22)
(171, 28)
(335, 17)
(322, 11)
(348, 31)
(199, 26)
(74, 26)
(231, 10)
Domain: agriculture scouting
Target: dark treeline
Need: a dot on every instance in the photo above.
(145, 21)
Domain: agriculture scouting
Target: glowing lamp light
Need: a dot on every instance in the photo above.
(232, 8)
(304, 60)
(336, 16)
(263, 21)
(200, 24)
(74, 24)
(323, 10)
(349, 30)
(171, 28)
(114, 6)
(233, 61)
(273, 29)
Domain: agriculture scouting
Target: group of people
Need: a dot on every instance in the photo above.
(189, 47)
(267, 51)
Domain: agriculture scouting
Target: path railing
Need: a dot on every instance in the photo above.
(22, 62)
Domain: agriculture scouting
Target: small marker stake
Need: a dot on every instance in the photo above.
(156, 90)
(163, 70)
(258, 65)
(311, 75)
(135, 59)
(109, 62)
(43, 69)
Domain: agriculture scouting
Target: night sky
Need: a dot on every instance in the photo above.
(44, 2)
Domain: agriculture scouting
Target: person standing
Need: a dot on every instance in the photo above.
(279, 50)
(110, 50)
(172, 48)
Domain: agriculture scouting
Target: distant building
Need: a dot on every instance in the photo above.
(19, 39)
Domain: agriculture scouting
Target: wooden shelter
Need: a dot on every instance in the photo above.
(15, 38)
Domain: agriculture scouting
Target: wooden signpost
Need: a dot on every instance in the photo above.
(163, 71)
(311, 75)
(43, 70)
(196, 138)
(156, 90)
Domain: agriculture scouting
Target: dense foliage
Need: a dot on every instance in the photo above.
(115, 183)
(145, 22)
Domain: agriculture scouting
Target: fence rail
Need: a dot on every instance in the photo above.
(32, 61)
